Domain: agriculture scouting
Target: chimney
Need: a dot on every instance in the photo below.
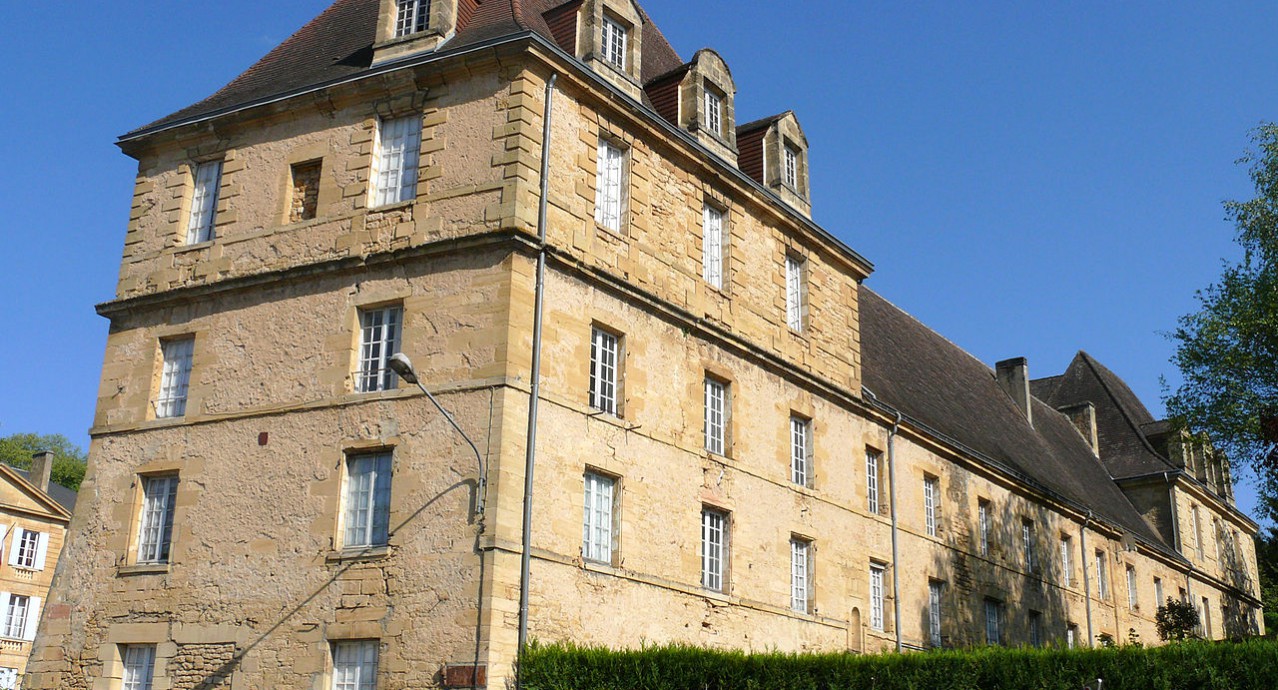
(1013, 376)
(41, 468)
(1083, 417)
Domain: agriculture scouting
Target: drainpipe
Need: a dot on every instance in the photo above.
(530, 456)
(1087, 581)
(896, 569)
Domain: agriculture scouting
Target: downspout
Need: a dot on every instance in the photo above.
(1087, 581)
(530, 451)
(896, 572)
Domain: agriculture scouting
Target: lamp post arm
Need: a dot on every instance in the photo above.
(482, 488)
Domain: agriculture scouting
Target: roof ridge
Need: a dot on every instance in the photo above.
(1122, 409)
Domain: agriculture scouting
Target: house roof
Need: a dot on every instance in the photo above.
(61, 495)
(338, 44)
(939, 386)
(1121, 419)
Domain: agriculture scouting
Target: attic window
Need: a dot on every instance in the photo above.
(413, 17)
(614, 43)
(714, 112)
(791, 167)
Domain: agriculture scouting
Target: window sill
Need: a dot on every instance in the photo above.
(358, 554)
(396, 206)
(143, 569)
(184, 248)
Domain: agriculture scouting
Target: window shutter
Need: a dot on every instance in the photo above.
(14, 545)
(42, 550)
(33, 619)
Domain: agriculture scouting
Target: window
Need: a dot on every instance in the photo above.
(1198, 532)
(379, 339)
(934, 590)
(394, 173)
(413, 17)
(983, 525)
(355, 665)
(795, 293)
(175, 377)
(1102, 576)
(714, 548)
(931, 492)
(801, 451)
(993, 621)
(1205, 614)
(712, 246)
(1131, 588)
(614, 43)
(139, 666)
(609, 185)
(876, 595)
(597, 540)
(1215, 523)
(199, 226)
(714, 112)
(800, 574)
(791, 167)
(1071, 636)
(716, 415)
(1035, 629)
(8, 678)
(29, 549)
(1158, 592)
(16, 617)
(603, 370)
(1027, 542)
(155, 530)
(872, 460)
(1067, 561)
(306, 182)
(368, 490)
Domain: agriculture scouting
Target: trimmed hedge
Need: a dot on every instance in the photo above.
(1182, 666)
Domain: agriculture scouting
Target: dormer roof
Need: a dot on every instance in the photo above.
(338, 45)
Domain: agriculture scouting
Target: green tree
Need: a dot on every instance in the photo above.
(1227, 351)
(1176, 621)
(1267, 562)
(69, 461)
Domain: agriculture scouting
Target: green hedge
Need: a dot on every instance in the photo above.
(1222, 666)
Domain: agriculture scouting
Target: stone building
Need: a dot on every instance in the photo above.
(738, 444)
(34, 514)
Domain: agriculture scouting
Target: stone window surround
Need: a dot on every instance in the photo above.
(162, 335)
(441, 25)
(337, 552)
(720, 203)
(374, 298)
(615, 512)
(590, 36)
(713, 370)
(135, 527)
(120, 635)
(607, 138)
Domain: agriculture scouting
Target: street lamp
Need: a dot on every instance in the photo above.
(403, 366)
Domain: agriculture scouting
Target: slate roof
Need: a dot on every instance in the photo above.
(62, 495)
(936, 384)
(1122, 421)
(338, 44)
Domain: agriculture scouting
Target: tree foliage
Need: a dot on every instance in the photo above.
(1267, 562)
(1176, 621)
(69, 461)
(1227, 351)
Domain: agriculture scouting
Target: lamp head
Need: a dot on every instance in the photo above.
(401, 365)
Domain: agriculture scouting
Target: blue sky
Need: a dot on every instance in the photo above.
(1030, 179)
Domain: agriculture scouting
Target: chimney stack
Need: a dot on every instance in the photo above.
(41, 469)
(1013, 376)
(1083, 417)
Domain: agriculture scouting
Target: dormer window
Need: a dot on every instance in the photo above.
(714, 112)
(791, 167)
(413, 17)
(613, 43)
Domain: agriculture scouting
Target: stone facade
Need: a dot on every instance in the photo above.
(259, 589)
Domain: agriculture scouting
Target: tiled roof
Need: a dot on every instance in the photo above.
(62, 495)
(338, 44)
(938, 385)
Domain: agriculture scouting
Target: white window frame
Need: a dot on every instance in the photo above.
(202, 219)
(412, 17)
(605, 370)
(1067, 560)
(17, 610)
(790, 158)
(1102, 577)
(801, 470)
(28, 549)
(1071, 636)
(877, 571)
(993, 622)
(983, 525)
(800, 575)
(1205, 616)
(796, 297)
(155, 528)
(8, 678)
(380, 335)
(873, 459)
(1131, 588)
(716, 415)
(931, 489)
(355, 664)
(599, 519)
(366, 499)
(1027, 538)
(714, 112)
(139, 666)
(715, 525)
(1158, 593)
(613, 43)
(712, 246)
(935, 592)
(1198, 533)
(396, 158)
(178, 356)
(610, 185)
